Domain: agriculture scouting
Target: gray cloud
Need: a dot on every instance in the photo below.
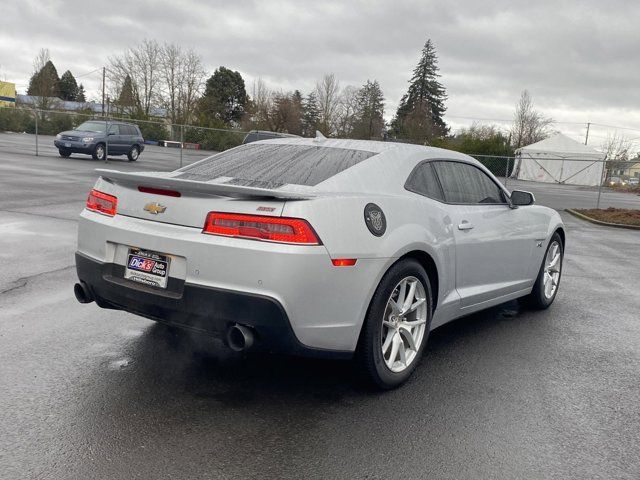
(576, 58)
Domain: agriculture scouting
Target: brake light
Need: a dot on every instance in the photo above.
(159, 191)
(102, 203)
(258, 227)
(344, 262)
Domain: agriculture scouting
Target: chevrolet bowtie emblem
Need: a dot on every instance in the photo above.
(154, 208)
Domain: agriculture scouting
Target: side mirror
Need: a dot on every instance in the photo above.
(112, 133)
(522, 199)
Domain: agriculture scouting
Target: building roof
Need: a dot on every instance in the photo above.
(70, 106)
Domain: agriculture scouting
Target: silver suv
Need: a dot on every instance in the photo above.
(90, 138)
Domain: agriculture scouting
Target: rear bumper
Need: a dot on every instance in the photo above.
(199, 308)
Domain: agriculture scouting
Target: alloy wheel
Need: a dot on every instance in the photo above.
(404, 324)
(552, 268)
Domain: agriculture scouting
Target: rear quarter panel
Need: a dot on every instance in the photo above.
(414, 223)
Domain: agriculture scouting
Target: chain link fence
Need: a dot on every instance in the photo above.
(173, 145)
(190, 140)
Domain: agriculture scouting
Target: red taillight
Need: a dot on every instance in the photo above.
(159, 191)
(344, 262)
(258, 227)
(102, 203)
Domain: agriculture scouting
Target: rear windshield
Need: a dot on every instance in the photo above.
(271, 166)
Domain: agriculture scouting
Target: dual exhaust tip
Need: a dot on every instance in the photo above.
(239, 337)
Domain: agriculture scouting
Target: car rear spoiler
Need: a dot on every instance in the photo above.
(219, 189)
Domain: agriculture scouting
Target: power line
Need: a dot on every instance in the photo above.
(510, 120)
(88, 73)
(617, 128)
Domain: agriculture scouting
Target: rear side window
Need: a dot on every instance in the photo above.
(127, 130)
(464, 183)
(424, 182)
(272, 166)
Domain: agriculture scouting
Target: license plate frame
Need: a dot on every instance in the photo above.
(147, 267)
(67, 144)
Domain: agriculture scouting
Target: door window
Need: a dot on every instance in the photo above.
(423, 181)
(114, 129)
(464, 183)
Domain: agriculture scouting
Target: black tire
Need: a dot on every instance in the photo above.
(537, 299)
(64, 153)
(369, 356)
(99, 152)
(133, 153)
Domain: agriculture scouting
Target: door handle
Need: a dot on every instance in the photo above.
(464, 225)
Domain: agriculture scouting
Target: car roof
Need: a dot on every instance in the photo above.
(112, 122)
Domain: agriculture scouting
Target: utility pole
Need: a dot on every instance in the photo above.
(103, 75)
(586, 139)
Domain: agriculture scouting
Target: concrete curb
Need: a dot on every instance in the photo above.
(600, 222)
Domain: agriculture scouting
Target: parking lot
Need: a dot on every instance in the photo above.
(507, 393)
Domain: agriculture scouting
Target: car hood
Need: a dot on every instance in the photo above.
(82, 133)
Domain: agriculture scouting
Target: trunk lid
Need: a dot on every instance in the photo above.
(185, 202)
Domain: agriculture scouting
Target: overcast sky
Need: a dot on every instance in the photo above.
(579, 60)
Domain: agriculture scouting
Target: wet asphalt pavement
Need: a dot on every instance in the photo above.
(91, 393)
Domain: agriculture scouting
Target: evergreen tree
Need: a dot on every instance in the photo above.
(419, 115)
(295, 124)
(127, 98)
(225, 98)
(68, 86)
(310, 115)
(369, 122)
(80, 96)
(45, 82)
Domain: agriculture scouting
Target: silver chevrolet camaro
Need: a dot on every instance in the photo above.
(330, 248)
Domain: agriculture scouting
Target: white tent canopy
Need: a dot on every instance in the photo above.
(559, 159)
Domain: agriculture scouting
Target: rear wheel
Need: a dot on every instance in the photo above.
(546, 287)
(99, 152)
(134, 153)
(397, 325)
(64, 153)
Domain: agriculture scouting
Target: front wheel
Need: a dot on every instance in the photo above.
(397, 325)
(133, 154)
(546, 287)
(99, 152)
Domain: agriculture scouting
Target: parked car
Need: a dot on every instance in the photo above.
(633, 181)
(329, 248)
(616, 181)
(90, 138)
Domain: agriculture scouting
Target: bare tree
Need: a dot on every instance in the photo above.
(193, 75)
(171, 66)
(42, 58)
(327, 94)
(347, 112)
(529, 126)
(182, 76)
(44, 82)
(142, 64)
(617, 149)
(261, 105)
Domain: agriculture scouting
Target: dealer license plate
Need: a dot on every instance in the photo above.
(148, 268)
